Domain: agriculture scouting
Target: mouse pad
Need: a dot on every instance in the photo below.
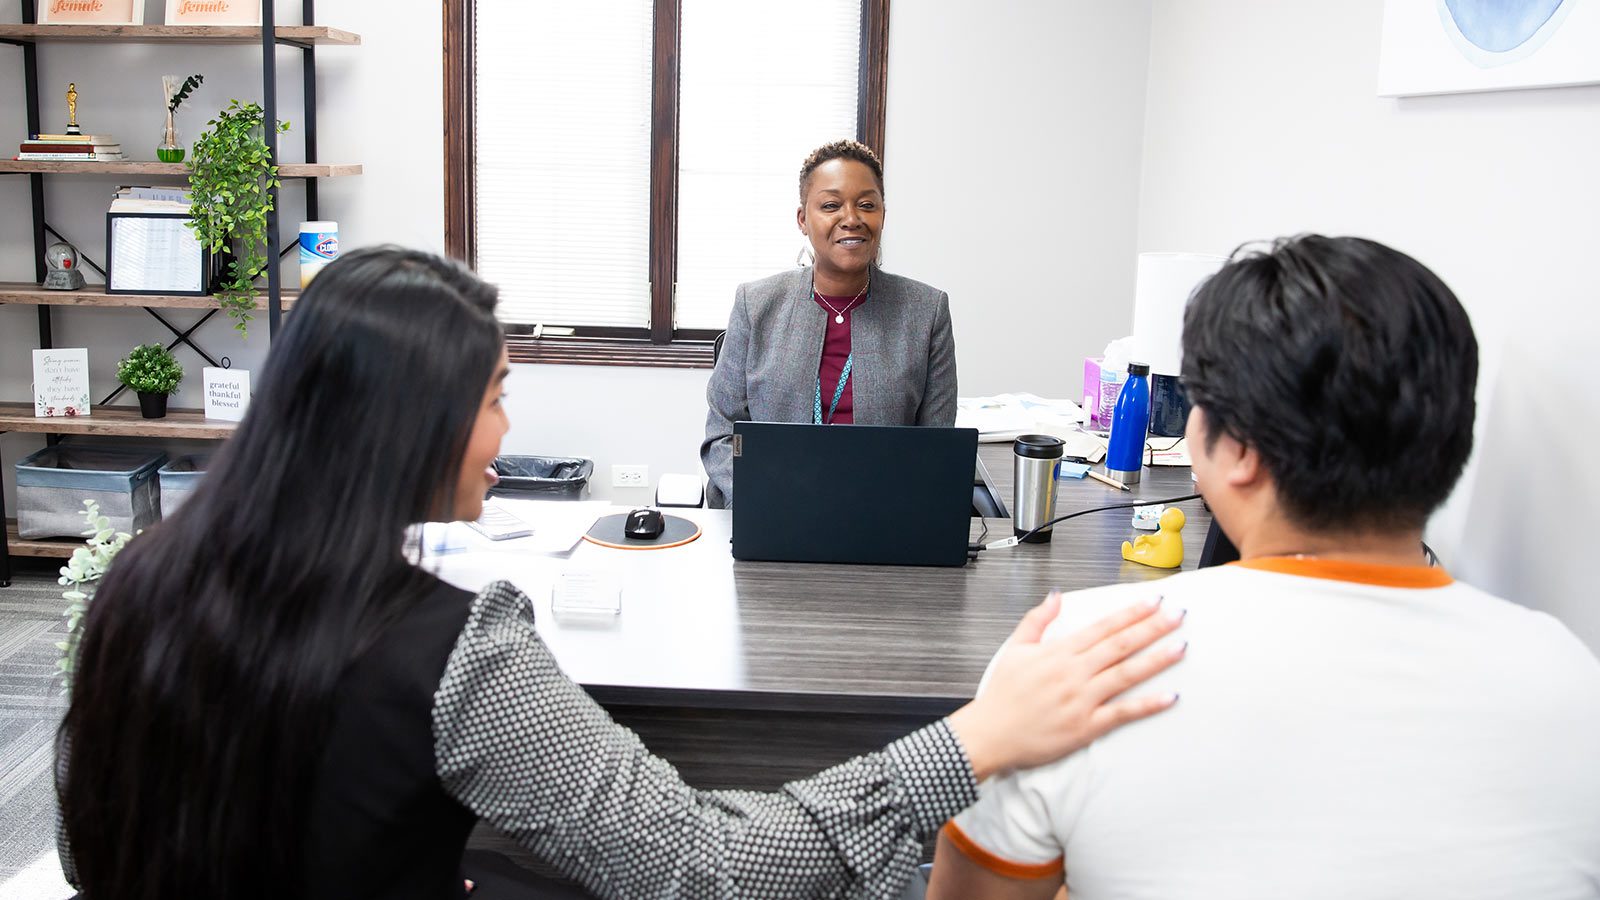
(675, 532)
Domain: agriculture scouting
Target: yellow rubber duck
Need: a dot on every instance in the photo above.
(1164, 549)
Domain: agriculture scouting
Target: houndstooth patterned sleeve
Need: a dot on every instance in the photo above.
(525, 748)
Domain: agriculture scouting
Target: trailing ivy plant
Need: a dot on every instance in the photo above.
(229, 177)
(81, 575)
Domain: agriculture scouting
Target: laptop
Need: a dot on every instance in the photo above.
(886, 495)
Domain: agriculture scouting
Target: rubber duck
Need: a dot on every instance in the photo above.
(1164, 549)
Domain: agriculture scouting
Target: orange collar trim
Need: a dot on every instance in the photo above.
(1355, 572)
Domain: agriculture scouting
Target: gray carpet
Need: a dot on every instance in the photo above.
(31, 706)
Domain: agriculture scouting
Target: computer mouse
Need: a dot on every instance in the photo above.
(644, 524)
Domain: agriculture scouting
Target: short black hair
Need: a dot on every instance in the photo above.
(1348, 366)
(855, 150)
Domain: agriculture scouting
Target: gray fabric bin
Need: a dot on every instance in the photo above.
(53, 483)
(179, 478)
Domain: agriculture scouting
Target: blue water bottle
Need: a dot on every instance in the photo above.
(1125, 456)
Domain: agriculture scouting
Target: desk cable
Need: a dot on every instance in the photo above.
(974, 549)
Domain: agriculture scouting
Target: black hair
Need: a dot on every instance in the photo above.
(855, 150)
(1348, 366)
(212, 650)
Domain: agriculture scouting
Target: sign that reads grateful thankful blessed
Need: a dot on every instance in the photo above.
(227, 393)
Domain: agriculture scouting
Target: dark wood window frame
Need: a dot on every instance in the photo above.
(660, 345)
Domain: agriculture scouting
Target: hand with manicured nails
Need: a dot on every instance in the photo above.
(1046, 698)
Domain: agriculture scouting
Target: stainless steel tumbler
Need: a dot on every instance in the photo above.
(1033, 494)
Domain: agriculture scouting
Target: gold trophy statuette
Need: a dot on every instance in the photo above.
(72, 108)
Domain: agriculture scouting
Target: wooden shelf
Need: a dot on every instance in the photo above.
(116, 420)
(320, 35)
(26, 293)
(58, 548)
(148, 167)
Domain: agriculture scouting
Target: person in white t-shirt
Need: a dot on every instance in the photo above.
(1354, 723)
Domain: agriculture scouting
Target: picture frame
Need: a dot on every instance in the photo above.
(90, 12)
(213, 12)
(155, 253)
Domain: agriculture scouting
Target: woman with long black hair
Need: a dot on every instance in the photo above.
(272, 701)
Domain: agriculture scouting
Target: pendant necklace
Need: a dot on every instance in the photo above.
(838, 314)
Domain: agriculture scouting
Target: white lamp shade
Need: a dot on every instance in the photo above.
(1165, 281)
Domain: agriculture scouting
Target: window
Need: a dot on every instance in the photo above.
(617, 167)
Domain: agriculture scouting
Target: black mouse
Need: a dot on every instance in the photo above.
(644, 524)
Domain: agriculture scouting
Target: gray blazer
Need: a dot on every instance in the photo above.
(904, 371)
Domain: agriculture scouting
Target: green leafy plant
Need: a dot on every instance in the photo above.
(175, 97)
(150, 369)
(230, 173)
(80, 577)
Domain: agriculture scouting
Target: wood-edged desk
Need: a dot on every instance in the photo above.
(749, 674)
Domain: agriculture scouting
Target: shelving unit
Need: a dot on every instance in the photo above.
(126, 421)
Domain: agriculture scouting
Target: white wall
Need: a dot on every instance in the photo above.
(1012, 168)
(1262, 120)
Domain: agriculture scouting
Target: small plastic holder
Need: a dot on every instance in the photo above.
(586, 594)
(1148, 518)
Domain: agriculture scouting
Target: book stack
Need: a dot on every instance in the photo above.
(71, 147)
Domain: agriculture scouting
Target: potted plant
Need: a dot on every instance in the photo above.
(175, 91)
(153, 372)
(230, 174)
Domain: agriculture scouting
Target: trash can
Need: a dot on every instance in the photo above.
(53, 483)
(179, 478)
(542, 477)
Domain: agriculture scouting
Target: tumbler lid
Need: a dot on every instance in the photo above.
(1039, 446)
(1138, 368)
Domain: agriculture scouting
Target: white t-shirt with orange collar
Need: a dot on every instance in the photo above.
(1343, 731)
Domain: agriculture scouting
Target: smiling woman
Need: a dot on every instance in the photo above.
(838, 342)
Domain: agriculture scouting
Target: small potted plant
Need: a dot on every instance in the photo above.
(152, 372)
(175, 92)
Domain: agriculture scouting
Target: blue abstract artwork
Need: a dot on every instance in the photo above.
(1501, 25)
(1451, 46)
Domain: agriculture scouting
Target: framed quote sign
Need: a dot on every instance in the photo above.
(213, 12)
(91, 12)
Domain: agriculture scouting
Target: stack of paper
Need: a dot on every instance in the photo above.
(151, 200)
(1005, 416)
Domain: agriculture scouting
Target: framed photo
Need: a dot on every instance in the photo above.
(154, 253)
(213, 12)
(91, 12)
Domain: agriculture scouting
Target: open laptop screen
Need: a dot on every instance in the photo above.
(852, 493)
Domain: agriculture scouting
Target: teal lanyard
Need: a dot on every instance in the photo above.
(816, 405)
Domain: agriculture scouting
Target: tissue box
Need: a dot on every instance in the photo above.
(1091, 391)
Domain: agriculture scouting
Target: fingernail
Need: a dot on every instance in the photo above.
(1174, 698)
(1154, 604)
(1180, 649)
(1176, 615)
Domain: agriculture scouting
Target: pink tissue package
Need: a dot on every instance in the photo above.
(1091, 390)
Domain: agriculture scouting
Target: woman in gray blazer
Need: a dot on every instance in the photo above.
(837, 342)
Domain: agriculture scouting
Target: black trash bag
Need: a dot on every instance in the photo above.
(542, 477)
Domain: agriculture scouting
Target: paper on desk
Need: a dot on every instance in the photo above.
(1160, 451)
(558, 525)
(1005, 416)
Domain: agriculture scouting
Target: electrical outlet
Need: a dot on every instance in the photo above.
(630, 476)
